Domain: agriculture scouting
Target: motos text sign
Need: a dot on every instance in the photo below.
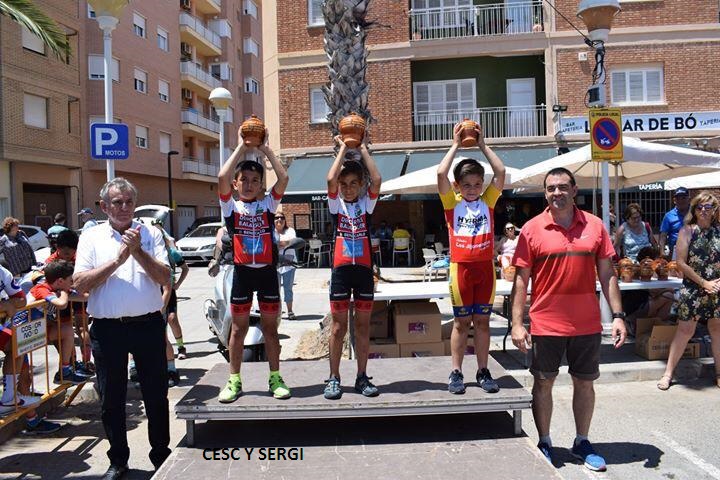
(109, 141)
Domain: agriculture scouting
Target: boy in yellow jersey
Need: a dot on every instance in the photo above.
(469, 216)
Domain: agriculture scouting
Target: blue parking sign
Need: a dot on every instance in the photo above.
(109, 141)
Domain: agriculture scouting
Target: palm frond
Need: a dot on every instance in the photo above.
(27, 14)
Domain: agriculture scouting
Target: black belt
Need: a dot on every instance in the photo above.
(139, 318)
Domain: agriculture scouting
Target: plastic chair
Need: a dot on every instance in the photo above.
(316, 250)
(431, 258)
(401, 246)
(440, 249)
(376, 250)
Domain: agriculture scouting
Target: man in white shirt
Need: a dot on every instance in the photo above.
(87, 218)
(123, 264)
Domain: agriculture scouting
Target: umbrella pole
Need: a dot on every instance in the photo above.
(617, 196)
(605, 313)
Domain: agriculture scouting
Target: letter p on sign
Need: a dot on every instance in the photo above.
(109, 141)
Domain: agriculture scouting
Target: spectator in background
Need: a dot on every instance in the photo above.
(87, 218)
(400, 231)
(59, 225)
(505, 248)
(634, 234)
(14, 244)
(500, 216)
(673, 221)
(65, 247)
(383, 231)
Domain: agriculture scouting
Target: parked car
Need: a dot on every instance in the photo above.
(38, 238)
(200, 221)
(199, 244)
(147, 213)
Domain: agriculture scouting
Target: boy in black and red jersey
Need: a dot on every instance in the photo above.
(351, 208)
(249, 222)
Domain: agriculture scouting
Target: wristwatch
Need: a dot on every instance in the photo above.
(618, 315)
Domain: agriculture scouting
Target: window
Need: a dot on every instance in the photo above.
(164, 142)
(140, 81)
(90, 12)
(164, 90)
(636, 86)
(251, 46)
(250, 8)
(319, 109)
(96, 68)
(139, 25)
(434, 101)
(162, 39)
(35, 111)
(252, 86)
(32, 42)
(221, 71)
(315, 15)
(141, 136)
(229, 114)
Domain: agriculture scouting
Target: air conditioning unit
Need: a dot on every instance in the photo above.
(185, 48)
(186, 94)
(185, 4)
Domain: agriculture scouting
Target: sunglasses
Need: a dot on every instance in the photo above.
(706, 206)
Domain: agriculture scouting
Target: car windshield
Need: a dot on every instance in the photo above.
(205, 231)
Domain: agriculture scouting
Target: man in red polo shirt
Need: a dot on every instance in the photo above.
(560, 249)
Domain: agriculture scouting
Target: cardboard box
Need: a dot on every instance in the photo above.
(387, 349)
(417, 322)
(653, 339)
(434, 349)
(469, 349)
(380, 320)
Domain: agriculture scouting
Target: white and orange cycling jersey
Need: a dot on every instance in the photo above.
(250, 225)
(470, 225)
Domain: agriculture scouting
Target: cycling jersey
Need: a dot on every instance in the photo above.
(352, 235)
(250, 224)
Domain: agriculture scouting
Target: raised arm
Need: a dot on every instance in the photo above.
(375, 177)
(280, 171)
(227, 171)
(443, 170)
(334, 172)
(496, 164)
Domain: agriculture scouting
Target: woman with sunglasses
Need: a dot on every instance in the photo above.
(698, 257)
(286, 273)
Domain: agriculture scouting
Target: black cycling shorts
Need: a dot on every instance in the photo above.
(246, 281)
(351, 279)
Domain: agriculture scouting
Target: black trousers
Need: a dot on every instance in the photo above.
(112, 340)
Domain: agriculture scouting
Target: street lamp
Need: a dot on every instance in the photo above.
(220, 98)
(107, 14)
(170, 198)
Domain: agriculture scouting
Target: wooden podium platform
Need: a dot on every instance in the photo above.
(408, 386)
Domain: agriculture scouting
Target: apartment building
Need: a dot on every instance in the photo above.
(518, 67)
(41, 142)
(168, 55)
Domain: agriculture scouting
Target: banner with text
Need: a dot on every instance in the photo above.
(650, 122)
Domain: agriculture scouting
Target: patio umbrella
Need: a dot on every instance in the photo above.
(703, 180)
(425, 180)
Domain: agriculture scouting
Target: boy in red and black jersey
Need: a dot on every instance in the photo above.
(352, 273)
(249, 222)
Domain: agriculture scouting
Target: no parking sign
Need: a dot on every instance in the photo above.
(606, 134)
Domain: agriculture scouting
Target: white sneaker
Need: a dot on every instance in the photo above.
(24, 401)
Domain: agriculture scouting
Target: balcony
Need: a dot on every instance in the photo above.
(197, 124)
(195, 32)
(199, 167)
(477, 20)
(195, 78)
(208, 7)
(497, 122)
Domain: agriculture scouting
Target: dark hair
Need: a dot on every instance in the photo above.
(351, 167)
(632, 208)
(57, 270)
(251, 166)
(59, 217)
(559, 171)
(468, 166)
(68, 239)
(647, 252)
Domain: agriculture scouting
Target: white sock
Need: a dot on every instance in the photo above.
(546, 439)
(579, 438)
(8, 388)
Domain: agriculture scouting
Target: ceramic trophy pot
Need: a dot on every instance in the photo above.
(468, 135)
(661, 268)
(253, 131)
(352, 130)
(509, 273)
(673, 269)
(646, 269)
(626, 269)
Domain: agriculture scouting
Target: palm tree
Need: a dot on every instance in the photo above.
(27, 14)
(345, 32)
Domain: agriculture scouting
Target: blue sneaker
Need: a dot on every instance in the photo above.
(546, 451)
(585, 452)
(456, 383)
(42, 427)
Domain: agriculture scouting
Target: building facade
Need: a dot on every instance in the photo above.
(518, 67)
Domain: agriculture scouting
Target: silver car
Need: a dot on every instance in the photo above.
(198, 245)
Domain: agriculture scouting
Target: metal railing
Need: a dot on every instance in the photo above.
(196, 118)
(194, 165)
(194, 70)
(476, 20)
(200, 27)
(497, 122)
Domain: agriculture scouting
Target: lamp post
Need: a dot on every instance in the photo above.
(170, 198)
(220, 98)
(107, 14)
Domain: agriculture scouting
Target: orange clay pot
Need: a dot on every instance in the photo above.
(646, 269)
(253, 131)
(661, 268)
(673, 269)
(509, 273)
(352, 130)
(468, 135)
